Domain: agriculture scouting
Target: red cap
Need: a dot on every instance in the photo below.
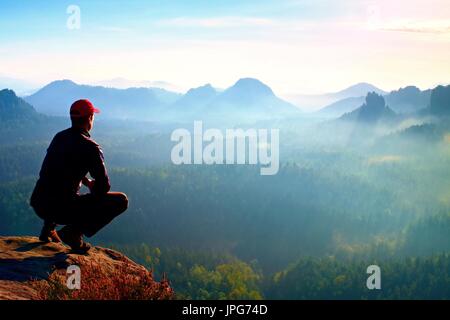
(82, 108)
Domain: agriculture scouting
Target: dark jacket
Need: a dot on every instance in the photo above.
(70, 156)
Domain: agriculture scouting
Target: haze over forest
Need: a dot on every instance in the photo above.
(363, 180)
(359, 91)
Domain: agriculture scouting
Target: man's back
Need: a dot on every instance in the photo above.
(70, 156)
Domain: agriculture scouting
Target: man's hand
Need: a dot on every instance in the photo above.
(88, 183)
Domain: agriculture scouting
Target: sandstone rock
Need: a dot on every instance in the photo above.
(24, 261)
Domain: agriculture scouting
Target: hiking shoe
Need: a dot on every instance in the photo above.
(70, 236)
(82, 249)
(49, 234)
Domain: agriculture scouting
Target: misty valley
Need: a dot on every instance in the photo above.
(236, 146)
(363, 181)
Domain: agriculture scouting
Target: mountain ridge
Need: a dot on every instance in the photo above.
(374, 109)
(357, 90)
(56, 97)
(316, 102)
(408, 99)
(247, 99)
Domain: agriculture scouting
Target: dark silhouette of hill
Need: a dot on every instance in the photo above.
(404, 100)
(440, 101)
(372, 111)
(430, 131)
(13, 108)
(408, 100)
(20, 122)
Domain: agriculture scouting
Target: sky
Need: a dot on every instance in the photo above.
(294, 46)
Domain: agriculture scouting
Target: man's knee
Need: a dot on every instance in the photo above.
(122, 201)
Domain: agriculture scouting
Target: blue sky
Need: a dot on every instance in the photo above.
(294, 46)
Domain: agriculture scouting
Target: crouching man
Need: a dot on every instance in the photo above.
(71, 155)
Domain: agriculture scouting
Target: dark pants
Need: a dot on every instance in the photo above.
(87, 213)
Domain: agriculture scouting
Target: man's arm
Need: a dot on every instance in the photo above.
(98, 171)
(88, 183)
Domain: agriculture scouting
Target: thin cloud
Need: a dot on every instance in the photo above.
(431, 27)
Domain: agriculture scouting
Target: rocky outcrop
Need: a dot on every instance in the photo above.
(28, 266)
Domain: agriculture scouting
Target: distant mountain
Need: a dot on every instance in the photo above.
(363, 126)
(372, 111)
(195, 98)
(357, 90)
(440, 101)
(341, 107)
(56, 98)
(316, 102)
(123, 83)
(246, 91)
(404, 100)
(15, 108)
(408, 100)
(248, 100)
